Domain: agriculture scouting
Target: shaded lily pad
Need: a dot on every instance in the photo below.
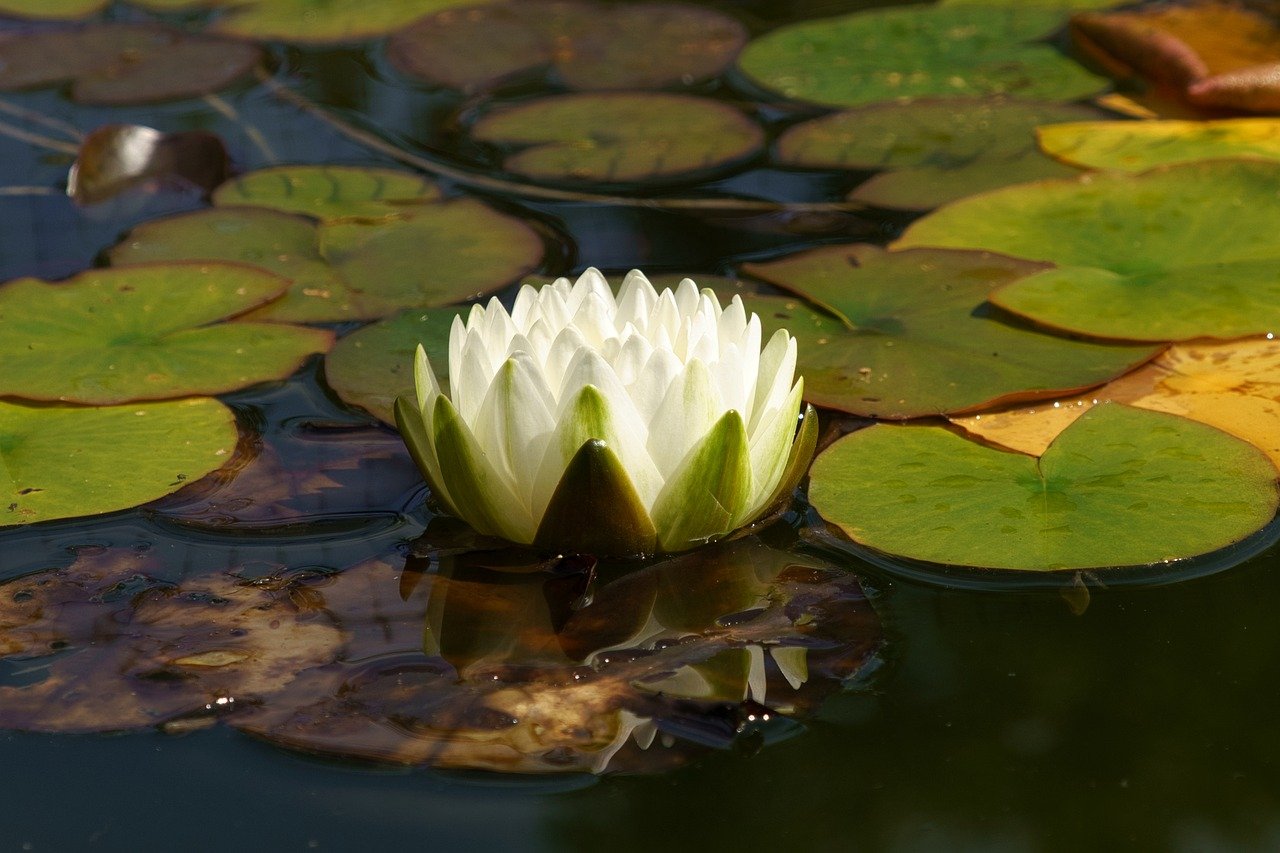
(1175, 253)
(372, 366)
(69, 461)
(124, 63)
(329, 193)
(934, 151)
(907, 334)
(585, 45)
(919, 52)
(117, 158)
(1135, 146)
(145, 332)
(619, 138)
(336, 21)
(1119, 487)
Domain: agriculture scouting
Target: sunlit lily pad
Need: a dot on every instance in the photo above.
(933, 151)
(124, 63)
(329, 193)
(1135, 146)
(145, 332)
(1175, 253)
(372, 366)
(333, 21)
(919, 52)
(51, 9)
(1119, 487)
(585, 45)
(619, 138)
(68, 461)
(906, 334)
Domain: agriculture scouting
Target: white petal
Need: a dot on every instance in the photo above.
(689, 409)
(770, 449)
(631, 359)
(515, 423)
(636, 299)
(457, 337)
(687, 297)
(651, 385)
(594, 319)
(474, 375)
(777, 367)
(562, 351)
(526, 311)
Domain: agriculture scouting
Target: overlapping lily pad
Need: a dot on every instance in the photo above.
(907, 334)
(124, 63)
(329, 193)
(1119, 487)
(933, 151)
(620, 138)
(919, 52)
(1179, 252)
(1135, 146)
(303, 21)
(68, 461)
(587, 46)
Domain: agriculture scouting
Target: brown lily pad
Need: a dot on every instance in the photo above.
(116, 158)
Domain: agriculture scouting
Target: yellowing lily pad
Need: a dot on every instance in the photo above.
(68, 10)
(1135, 146)
(1119, 487)
(68, 461)
(329, 193)
(307, 21)
(933, 151)
(908, 334)
(1176, 253)
(145, 333)
(919, 52)
(620, 138)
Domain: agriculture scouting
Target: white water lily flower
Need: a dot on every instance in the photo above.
(585, 422)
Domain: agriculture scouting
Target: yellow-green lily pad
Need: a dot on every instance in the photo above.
(1119, 487)
(322, 21)
(1179, 252)
(329, 193)
(1135, 146)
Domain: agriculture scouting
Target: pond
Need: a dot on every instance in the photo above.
(1023, 602)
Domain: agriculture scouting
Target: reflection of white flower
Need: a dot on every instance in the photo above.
(580, 421)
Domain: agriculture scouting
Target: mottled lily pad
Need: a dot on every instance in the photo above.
(586, 46)
(919, 52)
(68, 461)
(1135, 146)
(1179, 252)
(329, 193)
(1119, 487)
(116, 158)
(933, 151)
(335, 21)
(146, 332)
(124, 63)
(907, 334)
(620, 138)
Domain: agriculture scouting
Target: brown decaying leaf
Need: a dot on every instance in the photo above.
(117, 158)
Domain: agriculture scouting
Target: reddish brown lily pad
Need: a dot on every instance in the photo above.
(116, 158)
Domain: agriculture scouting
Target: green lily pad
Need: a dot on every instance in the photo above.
(68, 461)
(68, 10)
(309, 21)
(372, 366)
(620, 138)
(1135, 146)
(934, 151)
(329, 193)
(919, 52)
(1179, 252)
(665, 44)
(145, 333)
(1119, 487)
(124, 63)
(1050, 4)
(909, 334)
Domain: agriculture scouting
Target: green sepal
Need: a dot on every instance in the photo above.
(708, 490)
(802, 450)
(414, 434)
(595, 509)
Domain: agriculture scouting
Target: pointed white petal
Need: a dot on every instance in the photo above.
(515, 423)
(687, 412)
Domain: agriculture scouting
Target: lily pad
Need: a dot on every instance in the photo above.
(372, 366)
(124, 63)
(908, 334)
(302, 21)
(69, 461)
(919, 52)
(68, 10)
(1119, 487)
(933, 151)
(116, 158)
(620, 138)
(1179, 252)
(587, 46)
(1135, 146)
(329, 193)
(146, 332)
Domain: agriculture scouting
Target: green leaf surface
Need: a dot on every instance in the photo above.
(68, 461)
(68, 10)
(909, 334)
(1135, 146)
(1175, 253)
(619, 138)
(1119, 487)
(919, 52)
(329, 193)
(323, 21)
(373, 366)
(145, 333)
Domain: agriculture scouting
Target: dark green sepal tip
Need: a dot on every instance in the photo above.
(595, 509)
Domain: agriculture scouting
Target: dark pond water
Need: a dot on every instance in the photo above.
(1141, 714)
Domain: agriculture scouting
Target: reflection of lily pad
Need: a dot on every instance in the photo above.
(1135, 146)
(905, 334)
(124, 63)
(919, 52)
(68, 461)
(1179, 252)
(329, 192)
(145, 333)
(372, 366)
(616, 138)
(1119, 487)
(332, 21)
(588, 45)
(935, 151)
